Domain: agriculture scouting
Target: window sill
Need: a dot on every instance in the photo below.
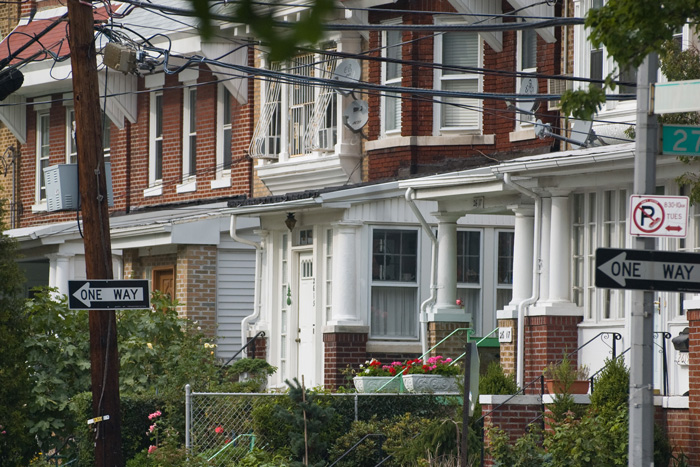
(187, 186)
(153, 191)
(223, 182)
(39, 207)
(521, 135)
(448, 140)
(405, 346)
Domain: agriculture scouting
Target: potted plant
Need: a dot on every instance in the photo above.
(375, 376)
(436, 374)
(565, 378)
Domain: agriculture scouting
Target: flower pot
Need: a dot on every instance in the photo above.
(422, 383)
(365, 384)
(557, 387)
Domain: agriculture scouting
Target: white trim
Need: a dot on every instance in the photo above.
(445, 140)
(187, 108)
(153, 191)
(153, 139)
(186, 187)
(39, 201)
(223, 176)
(393, 82)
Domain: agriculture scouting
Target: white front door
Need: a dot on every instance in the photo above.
(307, 332)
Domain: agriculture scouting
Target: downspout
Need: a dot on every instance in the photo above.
(410, 192)
(520, 359)
(256, 289)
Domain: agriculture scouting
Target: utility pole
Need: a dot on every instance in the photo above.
(98, 250)
(641, 399)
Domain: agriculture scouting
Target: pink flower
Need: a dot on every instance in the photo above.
(3, 432)
(459, 302)
(219, 429)
(152, 448)
(151, 428)
(155, 414)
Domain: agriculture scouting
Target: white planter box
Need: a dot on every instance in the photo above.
(430, 383)
(365, 384)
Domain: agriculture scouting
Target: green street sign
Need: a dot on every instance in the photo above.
(680, 140)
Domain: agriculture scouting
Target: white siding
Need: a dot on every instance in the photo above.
(235, 284)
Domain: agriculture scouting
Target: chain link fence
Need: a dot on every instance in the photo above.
(224, 427)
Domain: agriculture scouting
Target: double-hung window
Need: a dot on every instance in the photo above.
(391, 76)
(189, 131)
(71, 146)
(469, 271)
(43, 127)
(460, 54)
(155, 172)
(394, 286)
(527, 63)
(504, 268)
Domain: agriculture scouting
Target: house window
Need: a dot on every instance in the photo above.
(307, 111)
(599, 220)
(225, 145)
(106, 137)
(42, 153)
(189, 141)
(469, 276)
(460, 52)
(527, 63)
(156, 139)
(329, 273)
(394, 302)
(504, 271)
(391, 76)
(71, 146)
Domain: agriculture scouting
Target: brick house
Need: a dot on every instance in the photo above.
(176, 142)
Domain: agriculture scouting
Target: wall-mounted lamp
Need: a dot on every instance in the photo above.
(290, 221)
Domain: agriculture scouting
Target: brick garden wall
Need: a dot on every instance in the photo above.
(342, 349)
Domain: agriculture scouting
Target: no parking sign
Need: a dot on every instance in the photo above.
(658, 216)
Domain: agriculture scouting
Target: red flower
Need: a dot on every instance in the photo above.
(219, 429)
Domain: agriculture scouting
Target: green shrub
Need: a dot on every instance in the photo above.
(611, 387)
(368, 452)
(495, 381)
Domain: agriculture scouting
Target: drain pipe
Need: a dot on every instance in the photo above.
(256, 289)
(410, 193)
(520, 360)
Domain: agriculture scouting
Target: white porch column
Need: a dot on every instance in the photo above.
(344, 288)
(445, 308)
(545, 253)
(522, 253)
(59, 272)
(560, 247)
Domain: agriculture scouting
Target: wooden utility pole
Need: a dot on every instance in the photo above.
(98, 249)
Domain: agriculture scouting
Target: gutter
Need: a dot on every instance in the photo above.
(520, 359)
(256, 291)
(410, 193)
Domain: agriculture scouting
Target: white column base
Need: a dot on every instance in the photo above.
(555, 309)
(448, 313)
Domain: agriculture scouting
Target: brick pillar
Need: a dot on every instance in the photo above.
(340, 350)
(260, 347)
(454, 346)
(547, 338)
(508, 349)
(694, 390)
(196, 285)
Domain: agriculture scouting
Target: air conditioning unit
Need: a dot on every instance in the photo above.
(558, 86)
(62, 187)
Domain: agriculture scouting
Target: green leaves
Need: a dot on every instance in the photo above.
(583, 104)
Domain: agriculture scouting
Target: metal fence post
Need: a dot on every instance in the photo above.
(356, 407)
(188, 412)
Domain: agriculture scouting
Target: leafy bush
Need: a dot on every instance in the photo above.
(495, 381)
(611, 387)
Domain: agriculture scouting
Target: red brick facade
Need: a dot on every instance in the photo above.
(694, 390)
(340, 350)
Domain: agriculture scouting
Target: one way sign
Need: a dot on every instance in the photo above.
(647, 270)
(108, 294)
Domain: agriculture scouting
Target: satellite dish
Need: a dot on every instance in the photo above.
(530, 87)
(356, 115)
(581, 132)
(349, 71)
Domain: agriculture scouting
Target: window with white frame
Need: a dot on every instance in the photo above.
(43, 128)
(392, 43)
(599, 220)
(71, 146)
(527, 63)
(189, 132)
(504, 268)
(310, 110)
(329, 274)
(155, 170)
(460, 53)
(223, 162)
(394, 287)
(469, 277)
(106, 137)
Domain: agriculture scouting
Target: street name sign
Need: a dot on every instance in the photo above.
(676, 96)
(108, 295)
(658, 216)
(680, 140)
(647, 270)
